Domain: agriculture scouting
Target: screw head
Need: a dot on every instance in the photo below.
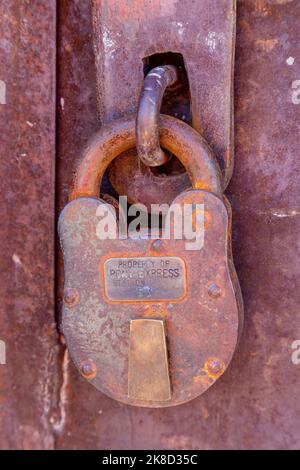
(88, 369)
(214, 366)
(214, 291)
(157, 244)
(71, 296)
(145, 291)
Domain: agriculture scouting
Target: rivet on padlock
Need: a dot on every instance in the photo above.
(162, 341)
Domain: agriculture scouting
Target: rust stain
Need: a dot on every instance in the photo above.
(267, 45)
(135, 10)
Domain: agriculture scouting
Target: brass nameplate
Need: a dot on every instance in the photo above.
(141, 279)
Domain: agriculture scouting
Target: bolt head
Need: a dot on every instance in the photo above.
(157, 244)
(71, 296)
(215, 366)
(214, 291)
(146, 291)
(88, 369)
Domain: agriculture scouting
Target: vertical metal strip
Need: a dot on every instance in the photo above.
(27, 168)
(203, 31)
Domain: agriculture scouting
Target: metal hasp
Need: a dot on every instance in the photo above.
(109, 318)
(147, 121)
(128, 36)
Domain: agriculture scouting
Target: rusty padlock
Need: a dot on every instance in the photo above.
(147, 321)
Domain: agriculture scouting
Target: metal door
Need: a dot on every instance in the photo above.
(48, 112)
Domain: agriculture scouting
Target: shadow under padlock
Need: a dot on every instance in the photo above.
(116, 331)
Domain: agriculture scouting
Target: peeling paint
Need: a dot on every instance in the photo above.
(109, 43)
(59, 424)
(285, 213)
(16, 259)
(180, 29)
(211, 41)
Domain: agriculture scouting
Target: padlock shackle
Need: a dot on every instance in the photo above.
(119, 136)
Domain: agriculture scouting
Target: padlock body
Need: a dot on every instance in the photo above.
(192, 294)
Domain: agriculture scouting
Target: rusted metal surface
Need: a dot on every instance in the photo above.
(119, 136)
(148, 368)
(31, 402)
(255, 404)
(76, 99)
(76, 94)
(126, 34)
(148, 113)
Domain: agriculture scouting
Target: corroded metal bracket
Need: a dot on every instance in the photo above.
(203, 31)
(148, 115)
